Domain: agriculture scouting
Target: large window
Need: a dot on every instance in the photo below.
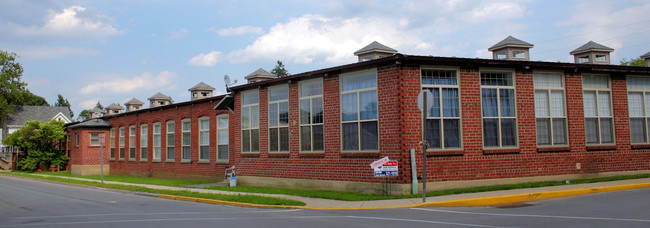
(171, 140)
(311, 116)
(250, 122)
(112, 132)
(94, 139)
(122, 141)
(132, 143)
(279, 119)
(596, 96)
(442, 128)
(550, 111)
(157, 140)
(204, 138)
(186, 139)
(638, 95)
(144, 142)
(498, 106)
(359, 111)
(222, 138)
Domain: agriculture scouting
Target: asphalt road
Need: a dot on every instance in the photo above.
(28, 203)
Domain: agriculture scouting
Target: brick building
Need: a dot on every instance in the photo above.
(501, 120)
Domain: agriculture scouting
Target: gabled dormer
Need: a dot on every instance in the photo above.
(133, 104)
(374, 50)
(159, 99)
(96, 113)
(259, 75)
(114, 109)
(61, 117)
(201, 90)
(511, 48)
(593, 53)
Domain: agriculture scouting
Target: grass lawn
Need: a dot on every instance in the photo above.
(262, 200)
(130, 179)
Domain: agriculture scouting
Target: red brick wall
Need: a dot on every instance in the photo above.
(85, 154)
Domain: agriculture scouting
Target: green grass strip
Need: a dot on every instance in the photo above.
(262, 200)
(129, 179)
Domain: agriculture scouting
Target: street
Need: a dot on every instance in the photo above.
(29, 203)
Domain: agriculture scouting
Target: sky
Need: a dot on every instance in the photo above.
(112, 51)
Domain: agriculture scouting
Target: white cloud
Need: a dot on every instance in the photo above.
(209, 59)
(89, 103)
(145, 81)
(72, 22)
(47, 52)
(179, 34)
(238, 31)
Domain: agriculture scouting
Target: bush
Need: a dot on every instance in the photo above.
(39, 140)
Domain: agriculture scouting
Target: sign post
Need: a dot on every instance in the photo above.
(101, 155)
(425, 102)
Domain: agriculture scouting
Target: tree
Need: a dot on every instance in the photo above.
(11, 87)
(83, 115)
(32, 99)
(99, 106)
(64, 103)
(633, 62)
(39, 139)
(279, 70)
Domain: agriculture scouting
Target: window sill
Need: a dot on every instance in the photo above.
(641, 146)
(598, 148)
(312, 154)
(348, 154)
(553, 149)
(156, 160)
(143, 160)
(170, 161)
(501, 151)
(121, 159)
(256, 154)
(203, 162)
(445, 152)
(186, 161)
(278, 154)
(131, 159)
(112, 159)
(222, 162)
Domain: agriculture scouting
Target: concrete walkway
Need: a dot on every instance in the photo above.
(468, 199)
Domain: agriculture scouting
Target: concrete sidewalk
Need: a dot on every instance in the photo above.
(468, 199)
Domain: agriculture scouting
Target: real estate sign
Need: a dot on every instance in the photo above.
(388, 169)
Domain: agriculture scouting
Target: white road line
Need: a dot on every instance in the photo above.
(420, 221)
(534, 216)
(162, 213)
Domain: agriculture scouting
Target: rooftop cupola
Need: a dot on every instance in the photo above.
(592, 52)
(159, 99)
(646, 56)
(374, 50)
(133, 104)
(259, 75)
(511, 48)
(114, 109)
(96, 112)
(201, 90)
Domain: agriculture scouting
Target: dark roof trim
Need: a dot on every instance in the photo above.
(227, 103)
(175, 105)
(91, 123)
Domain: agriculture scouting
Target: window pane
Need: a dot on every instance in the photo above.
(595, 81)
(604, 106)
(305, 114)
(541, 103)
(204, 124)
(255, 117)
(223, 152)
(250, 98)
(317, 131)
(283, 114)
(245, 117)
(647, 104)
(170, 140)
(369, 136)
(223, 122)
(439, 77)
(606, 130)
(432, 133)
(490, 103)
(362, 81)
(591, 127)
(350, 136)
(131, 153)
(635, 104)
(273, 115)
(317, 110)
(640, 83)
(204, 153)
(204, 138)
(559, 131)
(452, 133)
(547, 80)
(187, 152)
(311, 89)
(170, 127)
(368, 105)
(349, 107)
(450, 102)
(589, 100)
(170, 153)
(277, 94)
(255, 140)
(284, 139)
(186, 139)
(223, 136)
(435, 109)
(496, 79)
(557, 103)
(305, 138)
(246, 140)
(490, 132)
(273, 139)
(143, 153)
(543, 132)
(508, 132)
(156, 140)
(507, 97)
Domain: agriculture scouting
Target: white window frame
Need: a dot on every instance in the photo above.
(598, 116)
(112, 146)
(132, 152)
(122, 141)
(499, 116)
(170, 144)
(549, 104)
(94, 139)
(223, 139)
(515, 52)
(186, 133)
(253, 124)
(442, 117)
(279, 126)
(310, 125)
(144, 142)
(77, 139)
(358, 120)
(157, 141)
(204, 147)
(645, 107)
